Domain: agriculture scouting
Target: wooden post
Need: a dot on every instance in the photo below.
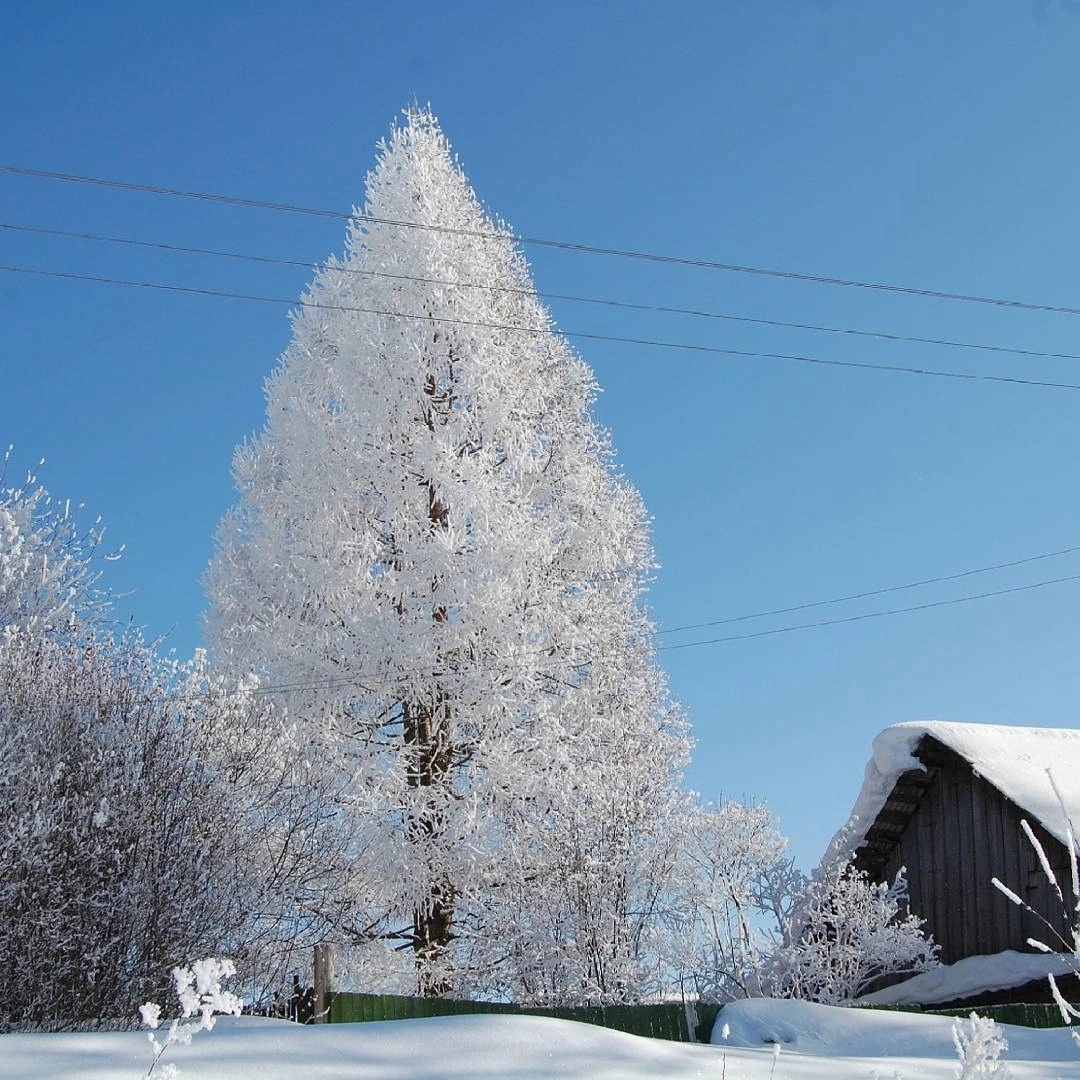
(324, 982)
(693, 1021)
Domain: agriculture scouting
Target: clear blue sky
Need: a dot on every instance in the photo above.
(926, 144)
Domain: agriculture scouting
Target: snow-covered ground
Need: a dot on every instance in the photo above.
(816, 1043)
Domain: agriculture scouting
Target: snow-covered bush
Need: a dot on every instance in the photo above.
(201, 994)
(149, 811)
(112, 829)
(578, 914)
(146, 817)
(844, 933)
(744, 922)
(280, 881)
(979, 1043)
(48, 576)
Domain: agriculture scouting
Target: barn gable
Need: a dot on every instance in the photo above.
(945, 801)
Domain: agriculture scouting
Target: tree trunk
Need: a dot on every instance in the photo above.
(430, 757)
(427, 745)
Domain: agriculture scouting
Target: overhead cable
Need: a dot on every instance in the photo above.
(714, 350)
(872, 592)
(869, 615)
(564, 245)
(624, 305)
(363, 680)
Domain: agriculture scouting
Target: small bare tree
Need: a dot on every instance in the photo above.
(730, 869)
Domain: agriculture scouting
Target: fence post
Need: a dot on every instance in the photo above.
(693, 1021)
(324, 982)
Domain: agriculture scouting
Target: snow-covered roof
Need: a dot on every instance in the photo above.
(1014, 759)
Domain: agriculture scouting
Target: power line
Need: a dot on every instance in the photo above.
(713, 350)
(361, 679)
(869, 615)
(873, 592)
(564, 245)
(879, 335)
(331, 684)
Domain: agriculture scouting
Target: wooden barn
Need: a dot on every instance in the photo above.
(946, 802)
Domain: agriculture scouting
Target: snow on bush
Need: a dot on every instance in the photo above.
(113, 830)
(745, 922)
(150, 810)
(200, 993)
(846, 932)
(733, 895)
(979, 1043)
(48, 576)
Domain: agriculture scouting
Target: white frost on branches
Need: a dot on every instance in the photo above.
(1067, 947)
(733, 886)
(437, 566)
(150, 810)
(48, 580)
(201, 994)
(122, 848)
(845, 933)
(744, 922)
(979, 1042)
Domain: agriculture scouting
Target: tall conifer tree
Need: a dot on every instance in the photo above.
(434, 554)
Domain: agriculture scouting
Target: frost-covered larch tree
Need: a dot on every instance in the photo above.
(435, 561)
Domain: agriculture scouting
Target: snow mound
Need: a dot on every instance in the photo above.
(827, 1031)
(439, 1048)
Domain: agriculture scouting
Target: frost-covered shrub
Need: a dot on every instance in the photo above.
(200, 993)
(844, 933)
(149, 813)
(979, 1043)
(279, 878)
(745, 922)
(576, 913)
(149, 810)
(48, 576)
(112, 829)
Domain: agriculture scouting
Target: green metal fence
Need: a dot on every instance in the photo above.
(1031, 1015)
(677, 1022)
(692, 1022)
